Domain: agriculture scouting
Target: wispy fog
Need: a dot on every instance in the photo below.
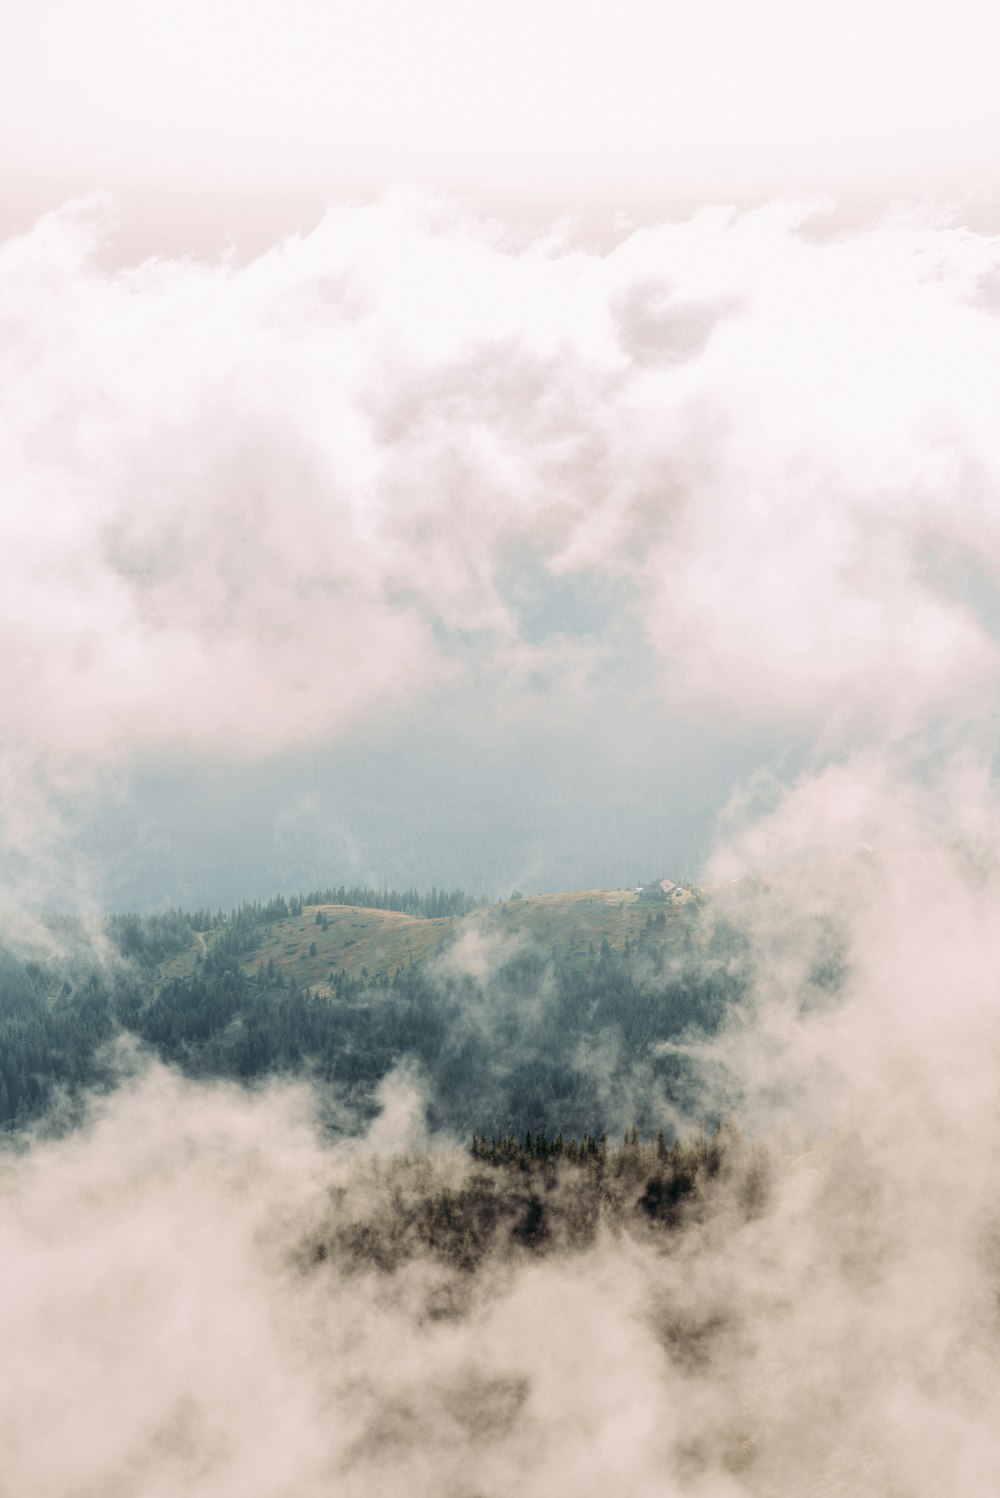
(194, 1297)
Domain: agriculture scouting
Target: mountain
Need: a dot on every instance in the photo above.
(555, 1012)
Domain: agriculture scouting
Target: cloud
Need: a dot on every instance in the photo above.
(254, 507)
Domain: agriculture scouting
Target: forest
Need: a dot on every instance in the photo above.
(535, 1045)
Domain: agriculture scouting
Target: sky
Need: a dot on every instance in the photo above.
(448, 445)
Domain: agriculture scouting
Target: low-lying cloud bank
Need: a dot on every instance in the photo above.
(247, 508)
(171, 1320)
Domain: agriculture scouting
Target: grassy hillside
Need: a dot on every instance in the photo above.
(325, 939)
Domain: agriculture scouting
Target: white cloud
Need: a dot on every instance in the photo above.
(246, 508)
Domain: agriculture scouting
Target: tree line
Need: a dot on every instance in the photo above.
(536, 1196)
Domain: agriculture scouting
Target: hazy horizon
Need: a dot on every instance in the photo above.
(420, 553)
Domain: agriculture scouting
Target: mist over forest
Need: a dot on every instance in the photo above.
(708, 1207)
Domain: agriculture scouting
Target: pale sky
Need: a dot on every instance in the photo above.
(249, 115)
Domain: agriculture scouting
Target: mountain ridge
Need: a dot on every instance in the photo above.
(314, 942)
